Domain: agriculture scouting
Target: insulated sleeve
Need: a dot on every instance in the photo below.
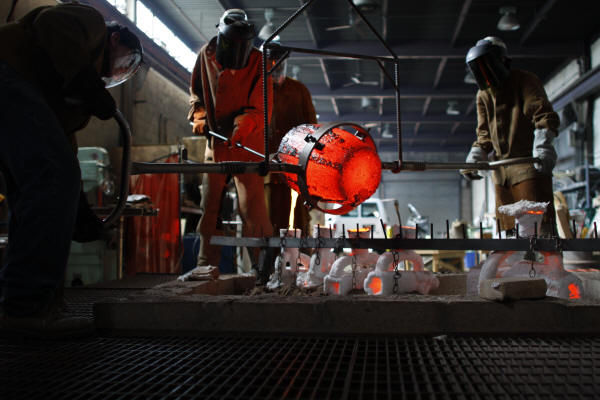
(483, 132)
(536, 105)
(196, 93)
(73, 36)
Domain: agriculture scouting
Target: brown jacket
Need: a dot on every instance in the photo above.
(49, 46)
(230, 102)
(293, 106)
(506, 119)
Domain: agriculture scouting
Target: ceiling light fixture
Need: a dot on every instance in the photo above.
(267, 30)
(387, 132)
(508, 21)
(469, 78)
(366, 5)
(295, 71)
(367, 103)
(452, 108)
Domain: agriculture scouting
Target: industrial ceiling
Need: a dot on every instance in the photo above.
(430, 37)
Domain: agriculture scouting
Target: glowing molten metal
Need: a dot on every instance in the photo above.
(339, 166)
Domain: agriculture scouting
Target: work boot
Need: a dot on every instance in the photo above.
(49, 325)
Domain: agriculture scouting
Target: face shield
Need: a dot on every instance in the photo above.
(234, 40)
(123, 68)
(487, 62)
(278, 75)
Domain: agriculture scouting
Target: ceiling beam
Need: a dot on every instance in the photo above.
(440, 71)
(470, 107)
(454, 127)
(406, 118)
(539, 16)
(426, 105)
(417, 126)
(189, 20)
(325, 74)
(336, 109)
(406, 92)
(461, 20)
(309, 26)
(380, 111)
(434, 49)
(227, 4)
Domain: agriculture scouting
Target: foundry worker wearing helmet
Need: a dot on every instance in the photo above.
(514, 119)
(226, 98)
(292, 106)
(55, 65)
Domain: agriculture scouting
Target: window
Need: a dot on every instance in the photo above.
(353, 213)
(159, 32)
(369, 210)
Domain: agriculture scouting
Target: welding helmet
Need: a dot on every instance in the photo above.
(275, 54)
(122, 65)
(488, 62)
(234, 39)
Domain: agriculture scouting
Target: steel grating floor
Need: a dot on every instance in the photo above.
(301, 367)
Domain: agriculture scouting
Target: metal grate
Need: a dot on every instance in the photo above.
(302, 367)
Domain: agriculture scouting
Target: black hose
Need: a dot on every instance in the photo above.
(125, 133)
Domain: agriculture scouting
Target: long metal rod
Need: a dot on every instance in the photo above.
(333, 53)
(239, 167)
(541, 244)
(372, 28)
(228, 168)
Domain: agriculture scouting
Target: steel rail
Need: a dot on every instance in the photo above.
(523, 244)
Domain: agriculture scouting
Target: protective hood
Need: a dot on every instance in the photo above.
(488, 62)
(234, 39)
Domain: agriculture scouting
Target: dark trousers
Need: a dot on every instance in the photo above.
(539, 190)
(42, 177)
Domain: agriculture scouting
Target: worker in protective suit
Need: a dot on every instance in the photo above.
(292, 107)
(226, 98)
(514, 119)
(55, 65)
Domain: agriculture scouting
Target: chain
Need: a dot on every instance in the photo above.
(353, 271)
(280, 264)
(531, 256)
(318, 254)
(396, 257)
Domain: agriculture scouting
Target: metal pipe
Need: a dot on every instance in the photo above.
(422, 166)
(523, 244)
(230, 167)
(334, 53)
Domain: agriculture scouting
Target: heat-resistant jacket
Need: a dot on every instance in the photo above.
(231, 102)
(49, 46)
(506, 119)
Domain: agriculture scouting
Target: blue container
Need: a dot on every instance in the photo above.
(470, 259)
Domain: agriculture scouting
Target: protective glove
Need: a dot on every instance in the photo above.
(88, 226)
(544, 150)
(88, 85)
(200, 127)
(244, 127)
(477, 154)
